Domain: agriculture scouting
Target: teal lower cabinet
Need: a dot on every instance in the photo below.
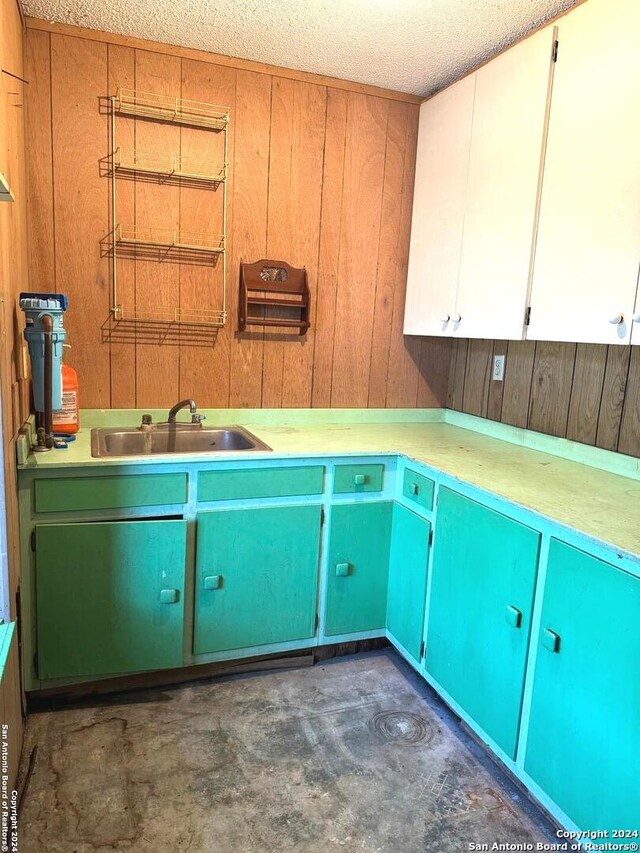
(110, 597)
(407, 592)
(483, 576)
(583, 743)
(358, 567)
(256, 577)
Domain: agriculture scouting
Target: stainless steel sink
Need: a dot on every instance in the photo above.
(132, 441)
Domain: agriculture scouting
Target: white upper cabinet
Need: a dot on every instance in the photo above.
(442, 166)
(478, 166)
(588, 247)
(507, 139)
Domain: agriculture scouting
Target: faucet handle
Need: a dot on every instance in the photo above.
(146, 420)
(197, 419)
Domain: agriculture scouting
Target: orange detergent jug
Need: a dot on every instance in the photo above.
(67, 420)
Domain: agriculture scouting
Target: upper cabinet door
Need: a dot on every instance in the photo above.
(439, 201)
(509, 128)
(588, 247)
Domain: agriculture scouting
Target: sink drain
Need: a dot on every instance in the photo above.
(401, 727)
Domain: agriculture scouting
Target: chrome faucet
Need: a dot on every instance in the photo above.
(195, 418)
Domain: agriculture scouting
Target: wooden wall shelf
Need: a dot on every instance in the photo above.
(279, 291)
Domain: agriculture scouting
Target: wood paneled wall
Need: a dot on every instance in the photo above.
(14, 386)
(320, 176)
(584, 392)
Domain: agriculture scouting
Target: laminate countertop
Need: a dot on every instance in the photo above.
(603, 505)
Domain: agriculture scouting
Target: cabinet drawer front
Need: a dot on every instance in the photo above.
(239, 483)
(358, 478)
(418, 488)
(129, 490)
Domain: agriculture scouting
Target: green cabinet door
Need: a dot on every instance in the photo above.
(358, 567)
(583, 743)
(110, 597)
(483, 576)
(407, 591)
(256, 577)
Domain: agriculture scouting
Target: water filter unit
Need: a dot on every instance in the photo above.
(37, 308)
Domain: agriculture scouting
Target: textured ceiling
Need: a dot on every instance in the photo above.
(411, 45)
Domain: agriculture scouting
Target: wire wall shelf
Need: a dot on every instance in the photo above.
(160, 244)
(182, 316)
(168, 238)
(178, 167)
(165, 108)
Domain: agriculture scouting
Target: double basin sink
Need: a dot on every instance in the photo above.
(174, 438)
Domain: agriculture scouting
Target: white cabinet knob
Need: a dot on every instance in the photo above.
(456, 318)
(636, 317)
(445, 318)
(616, 319)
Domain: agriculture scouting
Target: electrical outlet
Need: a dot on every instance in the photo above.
(498, 367)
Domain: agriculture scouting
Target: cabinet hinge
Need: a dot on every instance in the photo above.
(554, 52)
(322, 516)
(317, 622)
(431, 536)
(35, 665)
(527, 315)
(33, 540)
(422, 649)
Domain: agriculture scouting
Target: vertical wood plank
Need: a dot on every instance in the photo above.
(123, 334)
(362, 203)
(518, 372)
(40, 169)
(280, 228)
(295, 193)
(496, 388)
(406, 379)
(457, 374)
(250, 198)
(309, 120)
(388, 248)
(157, 206)
(435, 364)
(551, 387)
(477, 377)
(79, 79)
(630, 427)
(205, 353)
(330, 239)
(586, 392)
(613, 393)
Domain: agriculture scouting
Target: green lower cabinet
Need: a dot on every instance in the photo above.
(256, 577)
(483, 576)
(358, 567)
(408, 579)
(110, 597)
(583, 743)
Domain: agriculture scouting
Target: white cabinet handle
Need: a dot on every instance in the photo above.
(445, 318)
(636, 317)
(616, 319)
(456, 318)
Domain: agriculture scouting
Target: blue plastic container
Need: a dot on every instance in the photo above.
(35, 307)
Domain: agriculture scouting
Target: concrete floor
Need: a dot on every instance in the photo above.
(355, 754)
